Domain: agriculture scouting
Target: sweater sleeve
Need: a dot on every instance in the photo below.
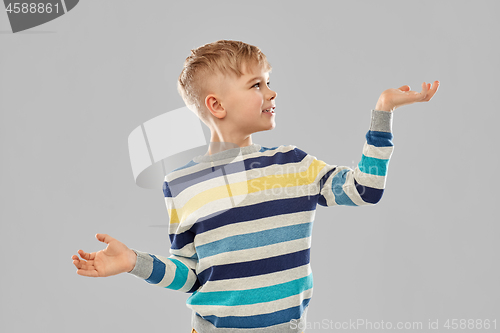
(174, 272)
(340, 185)
(178, 271)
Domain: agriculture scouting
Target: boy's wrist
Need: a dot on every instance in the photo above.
(382, 106)
(132, 260)
(143, 265)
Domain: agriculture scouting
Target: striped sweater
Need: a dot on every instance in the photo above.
(240, 229)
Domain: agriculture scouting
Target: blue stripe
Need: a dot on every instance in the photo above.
(181, 274)
(255, 267)
(166, 190)
(369, 194)
(379, 139)
(338, 181)
(243, 214)
(158, 270)
(195, 287)
(300, 154)
(252, 296)
(190, 163)
(373, 166)
(255, 239)
(263, 149)
(262, 320)
(178, 241)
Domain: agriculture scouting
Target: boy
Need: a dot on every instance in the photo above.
(241, 216)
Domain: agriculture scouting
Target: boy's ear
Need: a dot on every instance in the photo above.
(214, 106)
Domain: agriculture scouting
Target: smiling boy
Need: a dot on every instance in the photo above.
(241, 216)
(236, 99)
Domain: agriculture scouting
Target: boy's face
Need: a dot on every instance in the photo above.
(245, 98)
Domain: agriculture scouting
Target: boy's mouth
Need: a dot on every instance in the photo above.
(270, 110)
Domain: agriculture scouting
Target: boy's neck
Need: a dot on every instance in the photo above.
(218, 146)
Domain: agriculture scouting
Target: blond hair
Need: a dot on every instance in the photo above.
(224, 57)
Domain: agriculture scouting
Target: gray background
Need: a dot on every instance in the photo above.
(73, 89)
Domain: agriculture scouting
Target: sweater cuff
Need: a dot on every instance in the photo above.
(143, 266)
(381, 121)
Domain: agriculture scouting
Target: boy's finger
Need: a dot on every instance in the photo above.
(84, 265)
(77, 264)
(81, 263)
(431, 91)
(424, 93)
(87, 273)
(85, 255)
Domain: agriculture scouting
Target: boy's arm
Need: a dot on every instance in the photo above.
(340, 185)
(174, 272)
(365, 185)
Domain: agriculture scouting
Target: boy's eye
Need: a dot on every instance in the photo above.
(257, 84)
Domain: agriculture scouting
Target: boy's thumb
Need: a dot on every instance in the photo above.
(105, 238)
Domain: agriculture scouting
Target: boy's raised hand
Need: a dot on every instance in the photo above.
(116, 258)
(391, 99)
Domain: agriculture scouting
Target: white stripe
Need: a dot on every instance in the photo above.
(254, 253)
(187, 251)
(188, 262)
(383, 153)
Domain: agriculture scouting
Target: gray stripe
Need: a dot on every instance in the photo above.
(143, 266)
(381, 121)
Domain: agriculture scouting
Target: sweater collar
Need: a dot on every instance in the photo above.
(229, 153)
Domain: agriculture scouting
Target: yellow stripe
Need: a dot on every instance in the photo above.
(246, 187)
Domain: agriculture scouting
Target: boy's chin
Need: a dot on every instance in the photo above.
(269, 128)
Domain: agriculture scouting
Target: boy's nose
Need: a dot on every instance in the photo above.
(273, 95)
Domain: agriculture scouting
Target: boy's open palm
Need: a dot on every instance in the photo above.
(394, 98)
(116, 258)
